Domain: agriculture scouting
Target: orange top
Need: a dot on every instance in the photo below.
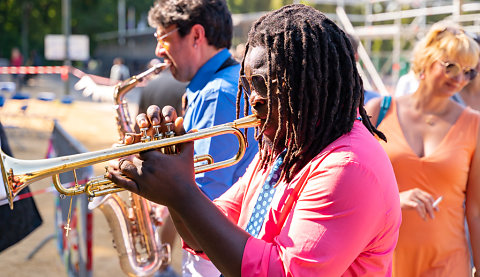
(435, 247)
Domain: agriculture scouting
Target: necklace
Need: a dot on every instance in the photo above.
(429, 119)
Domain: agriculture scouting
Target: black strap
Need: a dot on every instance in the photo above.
(228, 62)
(384, 106)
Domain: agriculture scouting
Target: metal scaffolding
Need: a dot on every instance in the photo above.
(401, 23)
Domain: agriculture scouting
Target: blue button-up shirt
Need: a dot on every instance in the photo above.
(211, 97)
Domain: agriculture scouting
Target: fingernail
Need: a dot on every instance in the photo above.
(155, 121)
(167, 118)
(142, 122)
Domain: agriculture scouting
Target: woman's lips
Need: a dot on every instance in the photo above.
(453, 86)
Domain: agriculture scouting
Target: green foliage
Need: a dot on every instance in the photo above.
(24, 23)
(37, 18)
(247, 6)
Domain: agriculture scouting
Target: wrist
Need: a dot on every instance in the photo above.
(184, 201)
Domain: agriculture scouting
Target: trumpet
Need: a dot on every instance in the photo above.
(18, 174)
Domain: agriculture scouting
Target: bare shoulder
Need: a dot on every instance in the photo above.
(473, 118)
(373, 109)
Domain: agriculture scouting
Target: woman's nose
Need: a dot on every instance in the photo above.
(461, 78)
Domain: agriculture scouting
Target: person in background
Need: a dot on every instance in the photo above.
(119, 71)
(407, 84)
(16, 59)
(193, 38)
(320, 198)
(368, 95)
(33, 60)
(470, 94)
(162, 90)
(239, 51)
(433, 144)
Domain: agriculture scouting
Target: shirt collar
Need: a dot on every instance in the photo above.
(205, 73)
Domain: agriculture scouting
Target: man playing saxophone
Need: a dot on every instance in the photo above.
(193, 38)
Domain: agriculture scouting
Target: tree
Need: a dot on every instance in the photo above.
(24, 23)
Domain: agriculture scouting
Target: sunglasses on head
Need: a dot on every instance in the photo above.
(452, 70)
(255, 82)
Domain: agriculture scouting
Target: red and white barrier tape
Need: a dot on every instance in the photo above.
(62, 70)
(34, 70)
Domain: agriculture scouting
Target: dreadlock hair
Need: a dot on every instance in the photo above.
(320, 89)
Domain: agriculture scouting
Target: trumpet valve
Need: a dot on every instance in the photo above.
(170, 133)
(145, 137)
(158, 135)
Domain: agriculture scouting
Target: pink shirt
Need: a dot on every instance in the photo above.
(340, 214)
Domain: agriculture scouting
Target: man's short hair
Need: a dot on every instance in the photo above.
(213, 15)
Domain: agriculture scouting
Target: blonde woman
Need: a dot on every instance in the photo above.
(432, 144)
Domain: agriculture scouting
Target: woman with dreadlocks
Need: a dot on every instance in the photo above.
(320, 198)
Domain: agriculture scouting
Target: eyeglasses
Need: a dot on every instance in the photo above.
(255, 82)
(161, 39)
(452, 70)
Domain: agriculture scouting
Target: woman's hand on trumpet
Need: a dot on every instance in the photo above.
(159, 177)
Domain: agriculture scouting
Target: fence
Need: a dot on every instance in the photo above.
(76, 248)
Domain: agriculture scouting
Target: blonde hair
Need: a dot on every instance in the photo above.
(444, 38)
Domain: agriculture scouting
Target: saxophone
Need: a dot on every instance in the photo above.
(134, 225)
